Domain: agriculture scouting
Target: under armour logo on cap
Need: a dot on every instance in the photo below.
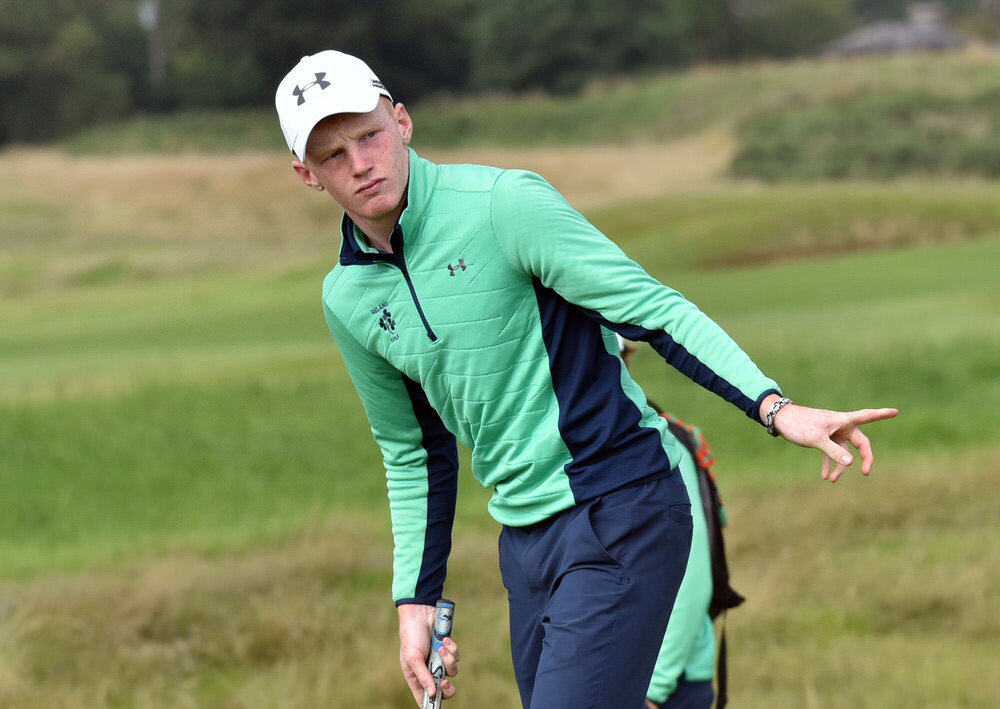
(300, 93)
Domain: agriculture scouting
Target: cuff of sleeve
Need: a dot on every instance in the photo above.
(755, 414)
(417, 601)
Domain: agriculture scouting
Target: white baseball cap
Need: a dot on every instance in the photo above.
(322, 85)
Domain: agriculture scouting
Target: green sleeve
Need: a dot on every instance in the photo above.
(542, 235)
(421, 466)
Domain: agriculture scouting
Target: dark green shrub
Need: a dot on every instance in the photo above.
(874, 136)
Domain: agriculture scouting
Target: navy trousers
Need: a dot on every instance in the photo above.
(590, 592)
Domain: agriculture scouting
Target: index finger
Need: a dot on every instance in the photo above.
(418, 677)
(863, 416)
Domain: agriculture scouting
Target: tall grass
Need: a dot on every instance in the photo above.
(890, 580)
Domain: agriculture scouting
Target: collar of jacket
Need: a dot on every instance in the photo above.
(423, 179)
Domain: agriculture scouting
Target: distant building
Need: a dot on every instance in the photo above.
(924, 30)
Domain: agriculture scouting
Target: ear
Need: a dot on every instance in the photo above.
(404, 123)
(306, 175)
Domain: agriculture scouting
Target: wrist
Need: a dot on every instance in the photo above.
(765, 405)
(414, 618)
(414, 608)
(774, 405)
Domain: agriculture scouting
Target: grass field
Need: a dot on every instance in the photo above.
(192, 511)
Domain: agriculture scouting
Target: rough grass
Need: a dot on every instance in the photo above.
(886, 582)
(890, 581)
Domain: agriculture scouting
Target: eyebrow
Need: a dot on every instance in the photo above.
(368, 125)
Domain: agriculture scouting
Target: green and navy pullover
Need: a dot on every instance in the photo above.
(493, 321)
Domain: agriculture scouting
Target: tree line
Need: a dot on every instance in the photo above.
(67, 64)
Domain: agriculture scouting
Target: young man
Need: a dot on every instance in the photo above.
(474, 302)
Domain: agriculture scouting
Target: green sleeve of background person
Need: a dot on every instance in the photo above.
(397, 432)
(688, 648)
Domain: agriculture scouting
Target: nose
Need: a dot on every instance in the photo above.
(360, 162)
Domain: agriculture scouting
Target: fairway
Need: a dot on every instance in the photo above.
(190, 499)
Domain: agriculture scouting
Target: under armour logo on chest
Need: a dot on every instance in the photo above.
(461, 266)
(320, 82)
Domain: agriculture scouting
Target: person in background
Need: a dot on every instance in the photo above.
(685, 665)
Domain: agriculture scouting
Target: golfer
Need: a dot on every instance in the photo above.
(474, 303)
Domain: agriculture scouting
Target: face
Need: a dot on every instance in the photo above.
(361, 159)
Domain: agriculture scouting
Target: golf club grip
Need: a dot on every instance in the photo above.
(444, 613)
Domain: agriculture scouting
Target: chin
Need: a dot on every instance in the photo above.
(379, 208)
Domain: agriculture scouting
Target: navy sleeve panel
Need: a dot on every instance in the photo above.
(598, 423)
(687, 364)
(442, 490)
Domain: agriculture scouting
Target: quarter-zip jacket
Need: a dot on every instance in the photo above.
(493, 321)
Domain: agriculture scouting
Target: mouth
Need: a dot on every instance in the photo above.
(371, 186)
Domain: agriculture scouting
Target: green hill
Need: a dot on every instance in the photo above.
(789, 117)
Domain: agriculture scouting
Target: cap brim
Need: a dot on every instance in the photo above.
(325, 109)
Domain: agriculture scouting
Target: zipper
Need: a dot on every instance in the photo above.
(416, 301)
(399, 261)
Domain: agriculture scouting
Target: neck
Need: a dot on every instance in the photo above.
(379, 231)
(376, 233)
(380, 242)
